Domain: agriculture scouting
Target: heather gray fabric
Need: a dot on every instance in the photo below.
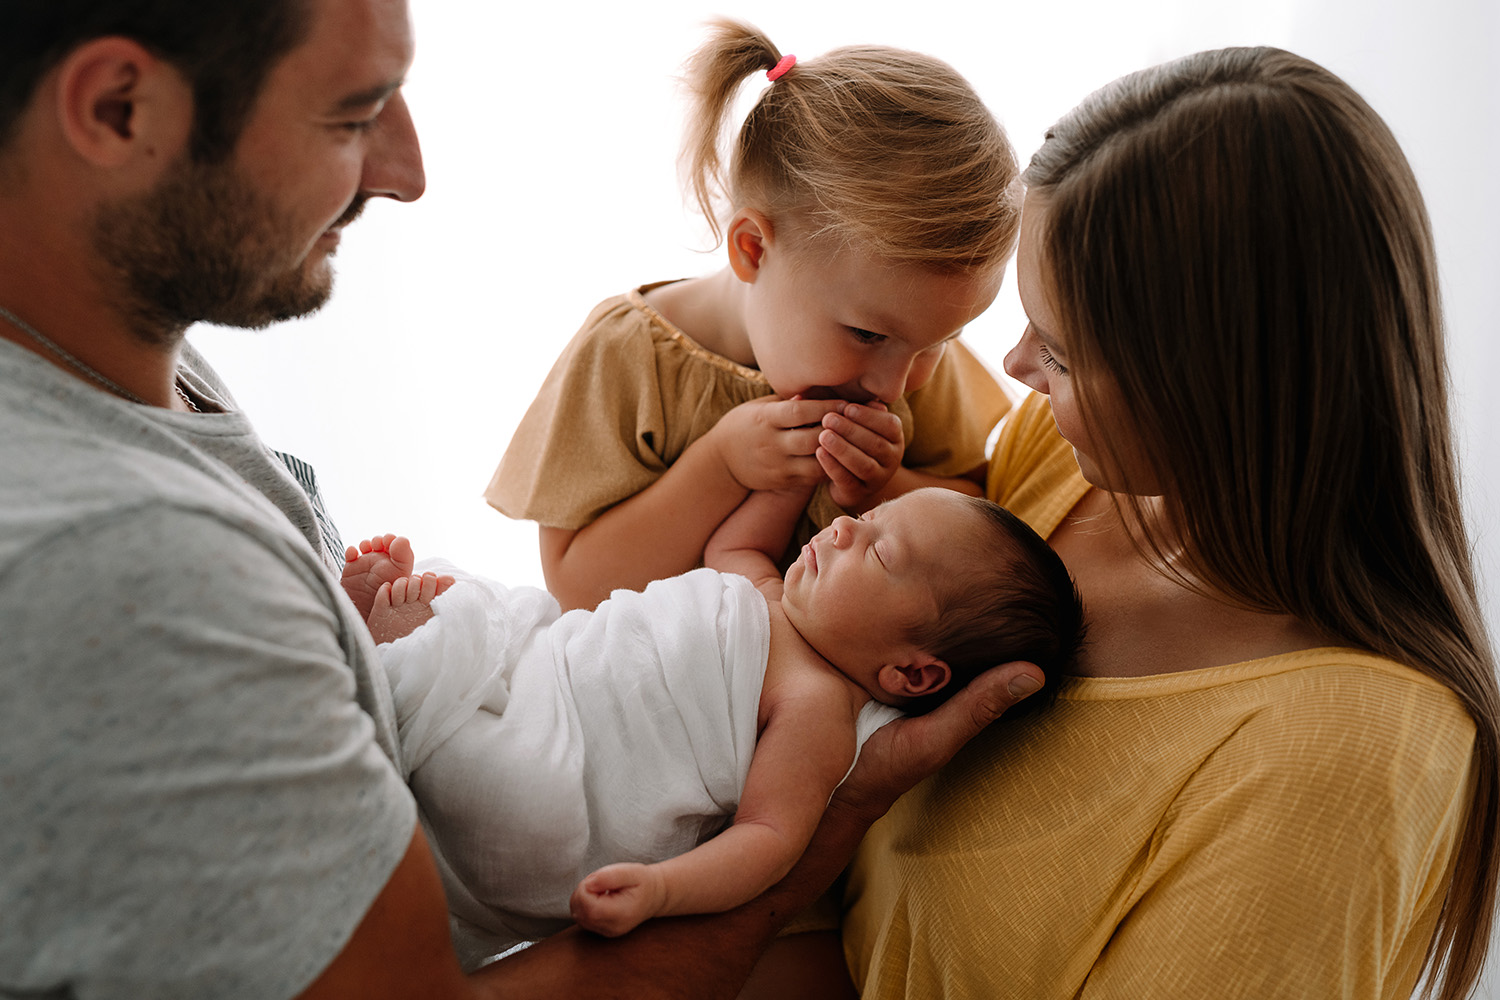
(197, 789)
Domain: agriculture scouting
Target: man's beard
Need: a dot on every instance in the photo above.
(205, 246)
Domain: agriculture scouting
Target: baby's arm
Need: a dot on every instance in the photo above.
(799, 760)
(766, 443)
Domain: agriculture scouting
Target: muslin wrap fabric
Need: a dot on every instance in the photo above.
(543, 745)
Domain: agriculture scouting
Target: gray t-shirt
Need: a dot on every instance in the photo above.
(200, 790)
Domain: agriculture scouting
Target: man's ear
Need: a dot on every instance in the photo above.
(921, 674)
(748, 236)
(118, 104)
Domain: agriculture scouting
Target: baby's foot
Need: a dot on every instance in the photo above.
(404, 604)
(379, 560)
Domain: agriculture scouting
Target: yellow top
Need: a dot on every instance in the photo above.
(631, 392)
(1277, 828)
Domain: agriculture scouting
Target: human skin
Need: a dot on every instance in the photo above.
(106, 125)
(1141, 622)
(838, 338)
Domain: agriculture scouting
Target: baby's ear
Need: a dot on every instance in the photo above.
(922, 674)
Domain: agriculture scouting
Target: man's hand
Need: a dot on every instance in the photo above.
(859, 449)
(908, 750)
(770, 443)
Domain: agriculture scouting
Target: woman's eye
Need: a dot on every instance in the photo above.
(865, 336)
(1048, 361)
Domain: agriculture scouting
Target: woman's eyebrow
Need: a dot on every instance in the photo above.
(1048, 341)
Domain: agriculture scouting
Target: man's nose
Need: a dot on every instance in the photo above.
(393, 165)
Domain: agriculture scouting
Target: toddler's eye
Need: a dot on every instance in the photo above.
(865, 336)
(1049, 361)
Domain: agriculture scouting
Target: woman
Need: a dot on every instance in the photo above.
(1278, 774)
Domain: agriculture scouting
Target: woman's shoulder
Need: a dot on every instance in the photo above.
(1330, 704)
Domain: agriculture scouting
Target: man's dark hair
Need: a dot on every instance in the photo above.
(224, 48)
(1016, 602)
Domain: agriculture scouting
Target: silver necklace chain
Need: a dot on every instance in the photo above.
(86, 370)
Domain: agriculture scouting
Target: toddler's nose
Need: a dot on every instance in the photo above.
(887, 382)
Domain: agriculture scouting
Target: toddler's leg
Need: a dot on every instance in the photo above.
(376, 561)
(403, 605)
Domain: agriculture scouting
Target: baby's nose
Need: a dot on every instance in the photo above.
(843, 530)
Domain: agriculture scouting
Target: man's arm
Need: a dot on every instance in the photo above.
(401, 948)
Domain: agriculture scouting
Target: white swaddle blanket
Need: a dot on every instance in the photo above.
(543, 745)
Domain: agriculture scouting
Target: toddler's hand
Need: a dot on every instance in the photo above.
(614, 899)
(859, 449)
(770, 443)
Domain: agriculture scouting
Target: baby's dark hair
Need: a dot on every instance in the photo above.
(1016, 602)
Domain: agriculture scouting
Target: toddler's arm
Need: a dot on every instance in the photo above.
(750, 540)
(799, 760)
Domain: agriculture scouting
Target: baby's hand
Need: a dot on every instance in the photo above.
(614, 899)
(859, 449)
(770, 443)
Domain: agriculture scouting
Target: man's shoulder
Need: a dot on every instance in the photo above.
(57, 480)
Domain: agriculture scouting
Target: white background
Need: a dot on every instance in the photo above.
(551, 131)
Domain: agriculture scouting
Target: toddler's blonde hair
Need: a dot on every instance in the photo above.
(880, 147)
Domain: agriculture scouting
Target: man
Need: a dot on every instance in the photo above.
(200, 790)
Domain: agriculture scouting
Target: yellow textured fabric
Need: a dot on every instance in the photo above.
(1276, 828)
(631, 392)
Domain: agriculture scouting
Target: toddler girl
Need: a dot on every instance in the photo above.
(873, 206)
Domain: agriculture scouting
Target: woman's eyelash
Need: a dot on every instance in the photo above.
(1049, 361)
(866, 336)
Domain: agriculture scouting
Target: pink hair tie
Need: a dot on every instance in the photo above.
(779, 70)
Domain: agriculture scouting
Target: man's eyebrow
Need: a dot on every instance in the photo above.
(369, 96)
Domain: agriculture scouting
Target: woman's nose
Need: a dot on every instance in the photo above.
(1021, 363)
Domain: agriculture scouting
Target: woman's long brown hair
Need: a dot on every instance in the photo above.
(1237, 239)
